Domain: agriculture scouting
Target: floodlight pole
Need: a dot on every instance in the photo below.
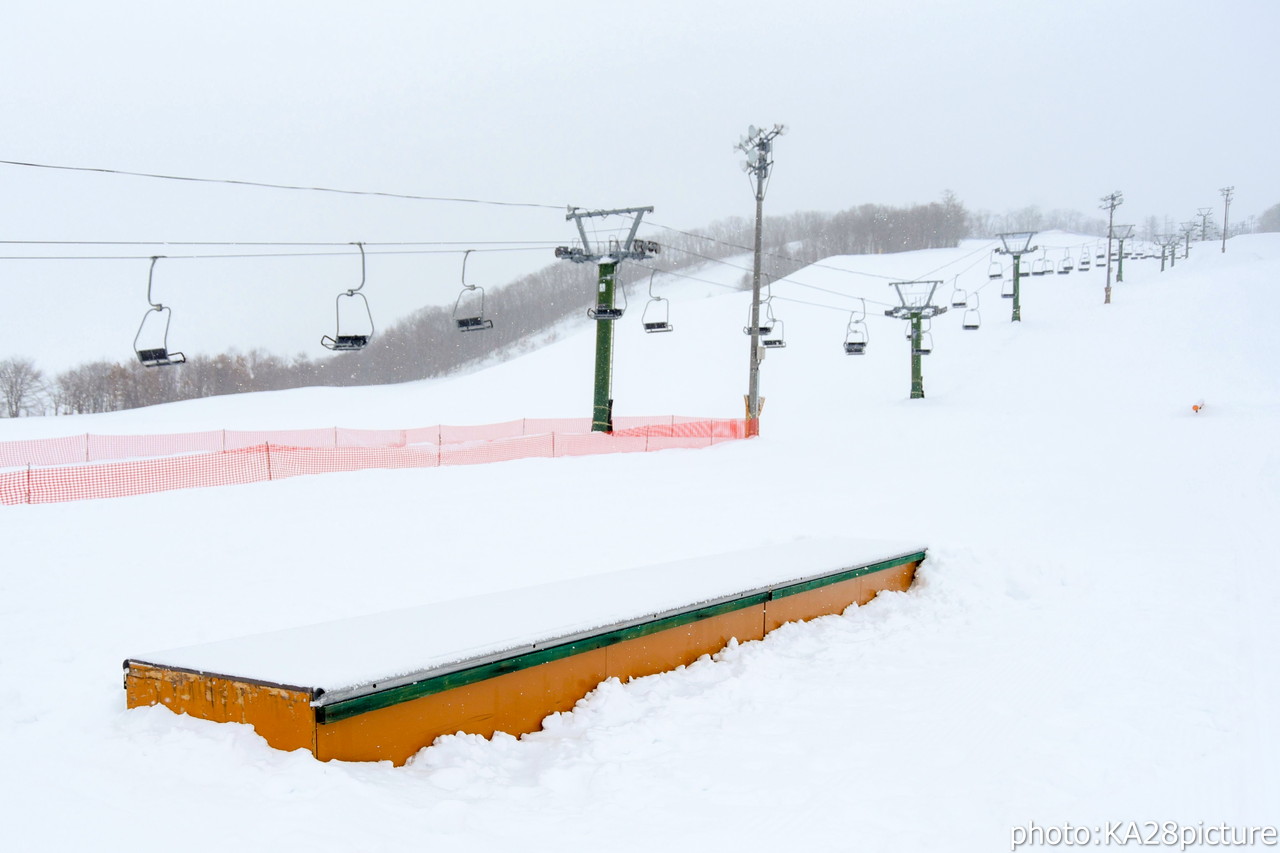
(915, 314)
(1227, 193)
(1110, 203)
(758, 146)
(1017, 244)
(607, 259)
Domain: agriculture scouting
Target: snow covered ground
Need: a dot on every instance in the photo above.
(1092, 639)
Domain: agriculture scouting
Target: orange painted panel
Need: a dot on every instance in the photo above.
(515, 703)
(823, 601)
(283, 717)
(666, 650)
(897, 579)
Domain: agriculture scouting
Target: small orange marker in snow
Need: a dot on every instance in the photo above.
(1197, 407)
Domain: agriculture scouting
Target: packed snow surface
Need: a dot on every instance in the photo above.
(1093, 638)
(380, 647)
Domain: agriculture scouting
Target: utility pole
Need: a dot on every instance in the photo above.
(1204, 213)
(1017, 244)
(917, 305)
(1227, 193)
(607, 257)
(1122, 233)
(758, 146)
(1109, 204)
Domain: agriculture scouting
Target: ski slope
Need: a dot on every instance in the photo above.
(1092, 639)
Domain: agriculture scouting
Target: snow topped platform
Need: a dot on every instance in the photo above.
(643, 620)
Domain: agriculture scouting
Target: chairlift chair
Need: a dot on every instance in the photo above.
(766, 317)
(150, 354)
(470, 318)
(925, 344)
(1040, 266)
(604, 312)
(1066, 265)
(972, 319)
(774, 338)
(855, 336)
(657, 312)
(995, 270)
(350, 341)
(958, 296)
(1006, 289)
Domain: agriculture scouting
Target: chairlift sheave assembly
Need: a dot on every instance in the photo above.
(152, 352)
(657, 312)
(470, 317)
(351, 302)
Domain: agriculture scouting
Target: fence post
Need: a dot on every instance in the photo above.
(266, 446)
(28, 483)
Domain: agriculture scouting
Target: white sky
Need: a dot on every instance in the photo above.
(1006, 102)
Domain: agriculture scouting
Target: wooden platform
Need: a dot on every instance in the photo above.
(385, 686)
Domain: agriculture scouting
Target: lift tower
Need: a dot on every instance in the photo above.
(916, 298)
(1120, 233)
(608, 257)
(1017, 244)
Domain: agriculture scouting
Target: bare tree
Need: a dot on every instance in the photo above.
(20, 387)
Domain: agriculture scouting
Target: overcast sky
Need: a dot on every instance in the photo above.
(603, 104)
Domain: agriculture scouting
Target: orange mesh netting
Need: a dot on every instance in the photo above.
(105, 466)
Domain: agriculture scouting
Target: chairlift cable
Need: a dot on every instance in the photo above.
(268, 185)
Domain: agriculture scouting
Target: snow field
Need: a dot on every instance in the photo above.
(1091, 639)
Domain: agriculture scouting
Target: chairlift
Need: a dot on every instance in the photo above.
(855, 336)
(349, 341)
(151, 354)
(774, 338)
(605, 312)
(1040, 266)
(1085, 261)
(1006, 289)
(766, 317)
(995, 269)
(924, 345)
(1066, 265)
(958, 296)
(657, 312)
(470, 318)
(972, 319)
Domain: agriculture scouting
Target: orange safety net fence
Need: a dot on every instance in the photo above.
(86, 467)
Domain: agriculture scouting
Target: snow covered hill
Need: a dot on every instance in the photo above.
(1091, 640)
